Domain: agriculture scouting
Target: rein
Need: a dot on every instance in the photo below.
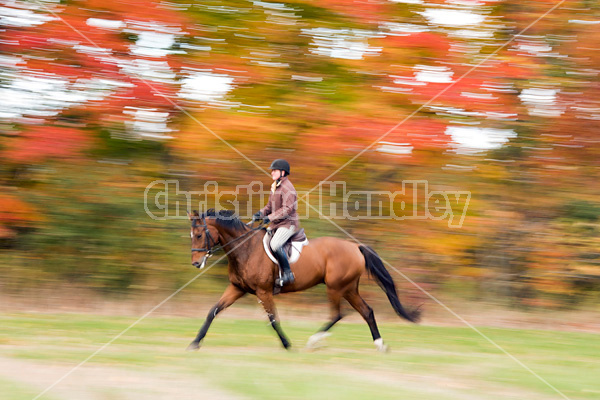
(209, 250)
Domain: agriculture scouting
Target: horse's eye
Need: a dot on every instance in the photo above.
(198, 236)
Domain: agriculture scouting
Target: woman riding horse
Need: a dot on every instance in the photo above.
(280, 211)
(336, 262)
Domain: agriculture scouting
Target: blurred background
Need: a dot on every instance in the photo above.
(100, 98)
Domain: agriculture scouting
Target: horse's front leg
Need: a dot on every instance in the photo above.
(231, 294)
(265, 297)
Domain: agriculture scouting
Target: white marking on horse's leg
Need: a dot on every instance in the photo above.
(314, 340)
(382, 347)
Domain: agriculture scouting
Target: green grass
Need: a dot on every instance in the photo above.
(243, 358)
(16, 391)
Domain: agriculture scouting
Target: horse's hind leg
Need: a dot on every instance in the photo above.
(231, 294)
(335, 298)
(266, 299)
(366, 311)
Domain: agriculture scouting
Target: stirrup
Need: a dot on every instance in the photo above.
(281, 282)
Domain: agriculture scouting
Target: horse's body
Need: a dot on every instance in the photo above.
(337, 263)
(315, 265)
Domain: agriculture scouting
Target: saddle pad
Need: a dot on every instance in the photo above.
(293, 247)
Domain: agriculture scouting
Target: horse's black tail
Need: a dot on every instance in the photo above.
(376, 269)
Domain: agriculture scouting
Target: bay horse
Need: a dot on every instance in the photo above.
(336, 262)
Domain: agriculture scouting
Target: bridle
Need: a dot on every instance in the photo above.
(212, 245)
(207, 236)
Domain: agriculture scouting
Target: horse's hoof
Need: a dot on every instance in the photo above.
(381, 347)
(194, 346)
(315, 341)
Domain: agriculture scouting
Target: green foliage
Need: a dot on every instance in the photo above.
(582, 210)
(110, 147)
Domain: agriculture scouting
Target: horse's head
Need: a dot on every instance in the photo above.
(205, 237)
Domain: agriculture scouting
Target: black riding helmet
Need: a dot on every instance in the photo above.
(282, 165)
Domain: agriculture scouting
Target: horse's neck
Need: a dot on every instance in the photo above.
(240, 249)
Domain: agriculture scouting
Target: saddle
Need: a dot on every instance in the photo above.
(292, 248)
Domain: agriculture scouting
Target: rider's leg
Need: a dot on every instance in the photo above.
(287, 275)
(281, 236)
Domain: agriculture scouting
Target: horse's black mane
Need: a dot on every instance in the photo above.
(226, 218)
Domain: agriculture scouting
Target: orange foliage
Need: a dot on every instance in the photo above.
(364, 10)
(14, 212)
(420, 40)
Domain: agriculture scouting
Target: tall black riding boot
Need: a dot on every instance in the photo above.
(287, 276)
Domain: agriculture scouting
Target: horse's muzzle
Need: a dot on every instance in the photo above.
(196, 264)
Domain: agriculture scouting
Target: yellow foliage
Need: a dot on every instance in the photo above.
(470, 272)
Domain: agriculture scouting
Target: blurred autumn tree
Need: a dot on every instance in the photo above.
(100, 100)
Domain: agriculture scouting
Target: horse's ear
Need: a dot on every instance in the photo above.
(193, 214)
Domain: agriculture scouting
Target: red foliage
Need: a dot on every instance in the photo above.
(69, 47)
(355, 133)
(43, 142)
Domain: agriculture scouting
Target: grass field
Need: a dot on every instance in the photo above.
(242, 359)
